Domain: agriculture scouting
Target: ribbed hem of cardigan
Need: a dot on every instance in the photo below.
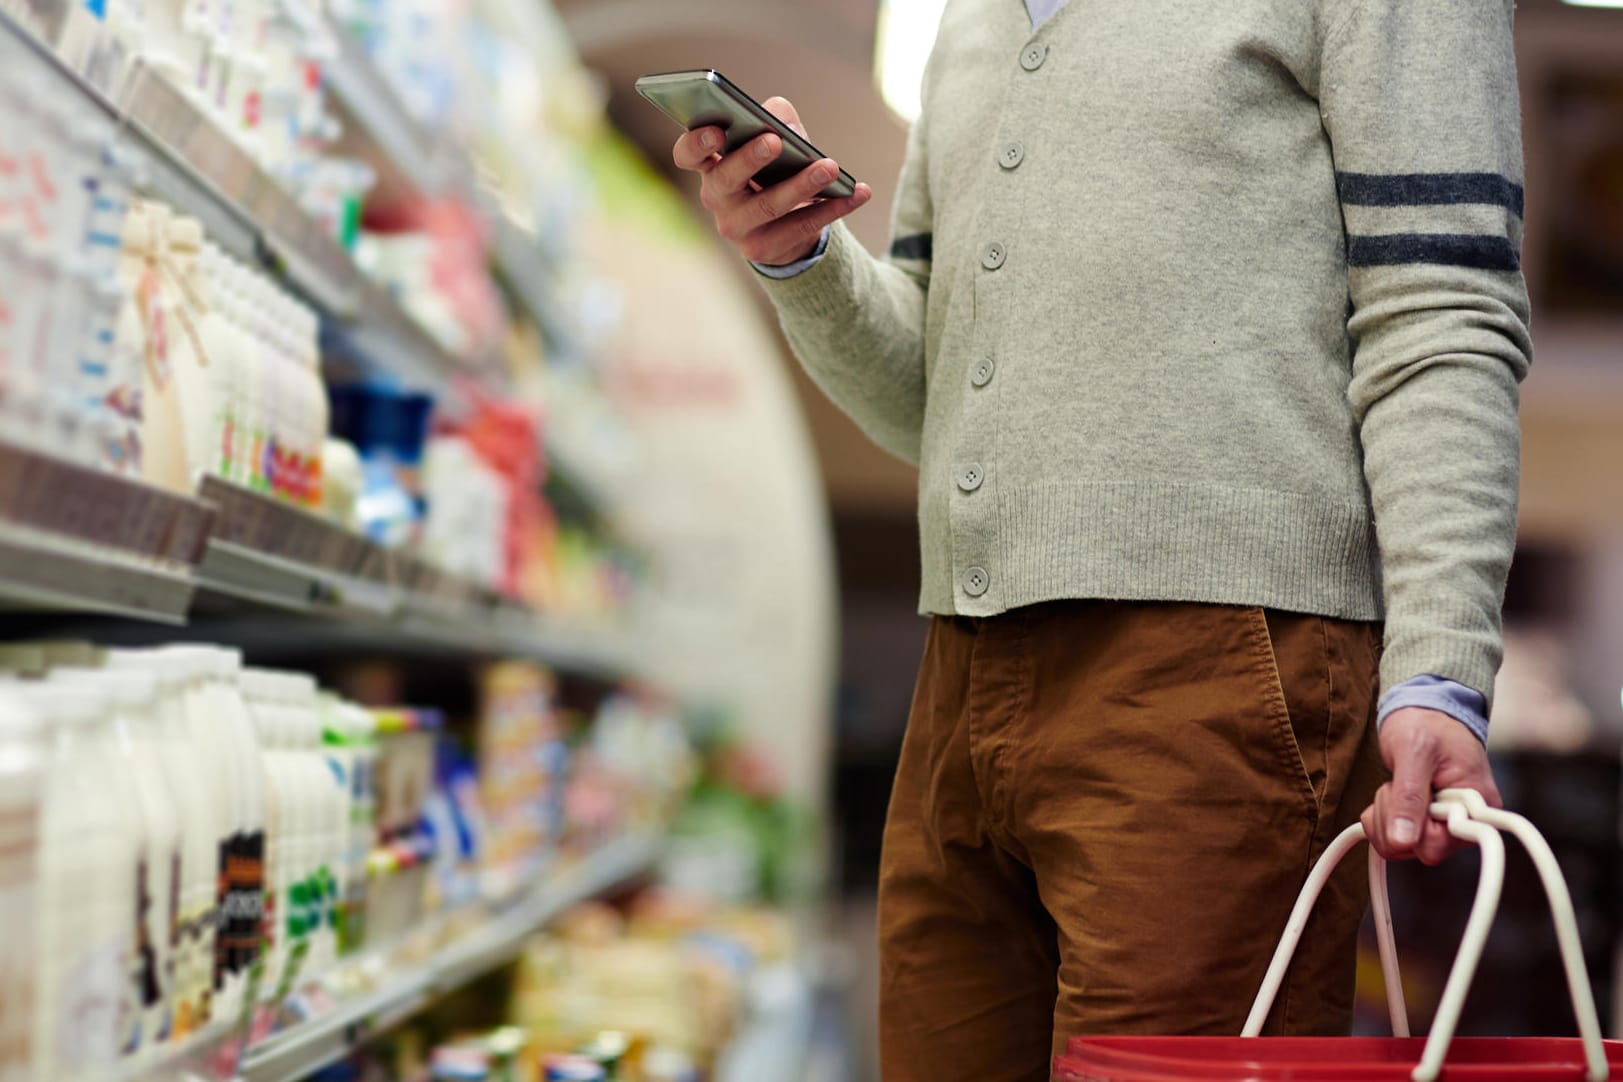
(1166, 541)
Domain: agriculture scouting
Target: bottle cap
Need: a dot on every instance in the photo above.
(172, 670)
(123, 687)
(64, 703)
(211, 660)
(265, 685)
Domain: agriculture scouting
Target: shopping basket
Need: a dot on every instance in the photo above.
(1379, 1059)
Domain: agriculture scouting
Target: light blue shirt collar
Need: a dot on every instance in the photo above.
(1042, 10)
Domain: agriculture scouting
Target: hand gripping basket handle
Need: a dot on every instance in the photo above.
(1471, 819)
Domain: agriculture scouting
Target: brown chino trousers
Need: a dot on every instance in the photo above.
(1102, 816)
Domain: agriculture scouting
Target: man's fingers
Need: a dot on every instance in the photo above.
(732, 174)
(1436, 843)
(797, 231)
(785, 111)
(1410, 804)
(778, 200)
(694, 151)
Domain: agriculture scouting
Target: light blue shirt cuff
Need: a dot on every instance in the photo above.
(799, 266)
(1468, 707)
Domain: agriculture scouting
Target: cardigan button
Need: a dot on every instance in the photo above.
(1011, 155)
(981, 374)
(1032, 57)
(993, 255)
(975, 581)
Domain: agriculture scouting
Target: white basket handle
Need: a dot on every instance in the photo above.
(1469, 818)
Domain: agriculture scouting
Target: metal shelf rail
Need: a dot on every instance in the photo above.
(312, 1045)
(80, 541)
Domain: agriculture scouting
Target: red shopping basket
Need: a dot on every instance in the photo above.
(1320, 1059)
(1384, 1059)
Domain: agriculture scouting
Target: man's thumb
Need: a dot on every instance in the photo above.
(1411, 793)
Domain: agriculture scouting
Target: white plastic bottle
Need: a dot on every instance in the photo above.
(278, 391)
(206, 727)
(312, 784)
(241, 892)
(258, 701)
(194, 366)
(132, 745)
(195, 48)
(137, 286)
(193, 776)
(175, 395)
(232, 374)
(312, 416)
(346, 736)
(270, 693)
(151, 327)
(85, 895)
(245, 84)
(333, 808)
(24, 756)
(256, 371)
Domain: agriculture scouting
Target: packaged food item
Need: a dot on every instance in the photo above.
(388, 427)
(608, 1050)
(572, 1069)
(350, 737)
(41, 155)
(460, 1063)
(664, 1064)
(522, 762)
(106, 383)
(398, 884)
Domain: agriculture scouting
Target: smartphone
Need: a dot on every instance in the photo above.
(702, 99)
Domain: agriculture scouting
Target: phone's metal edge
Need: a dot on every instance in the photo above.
(711, 75)
(716, 78)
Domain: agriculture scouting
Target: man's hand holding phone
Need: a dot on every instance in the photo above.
(772, 226)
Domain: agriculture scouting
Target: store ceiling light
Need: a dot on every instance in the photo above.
(906, 36)
(1596, 3)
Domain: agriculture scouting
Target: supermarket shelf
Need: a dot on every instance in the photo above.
(314, 1044)
(213, 178)
(38, 572)
(427, 165)
(378, 116)
(259, 573)
(184, 158)
(82, 540)
(267, 552)
(522, 260)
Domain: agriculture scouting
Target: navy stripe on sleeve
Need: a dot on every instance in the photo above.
(1452, 249)
(1428, 189)
(918, 246)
